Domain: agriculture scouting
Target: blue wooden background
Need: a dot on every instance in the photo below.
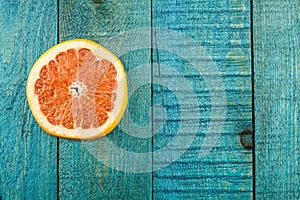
(253, 49)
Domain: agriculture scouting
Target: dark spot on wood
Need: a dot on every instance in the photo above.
(246, 138)
(98, 1)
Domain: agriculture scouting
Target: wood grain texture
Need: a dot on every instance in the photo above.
(81, 174)
(27, 154)
(276, 71)
(222, 28)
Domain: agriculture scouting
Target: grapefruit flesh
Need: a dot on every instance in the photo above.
(77, 90)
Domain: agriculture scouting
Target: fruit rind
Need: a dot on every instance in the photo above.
(78, 133)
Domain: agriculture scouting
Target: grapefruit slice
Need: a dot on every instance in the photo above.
(78, 90)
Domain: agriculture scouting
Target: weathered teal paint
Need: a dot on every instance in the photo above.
(222, 28)
(276, 72)
(27, 155)
(81, 175)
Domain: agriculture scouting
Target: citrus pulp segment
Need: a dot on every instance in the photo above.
(77, 89)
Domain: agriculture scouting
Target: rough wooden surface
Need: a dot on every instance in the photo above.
(27, 154)
(29, 158)
(276, 71)
(222, 28)
(81, 174)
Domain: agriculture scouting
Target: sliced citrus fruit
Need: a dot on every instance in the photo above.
(77, 89)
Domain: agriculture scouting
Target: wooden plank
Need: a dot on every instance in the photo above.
(276, 70)
(192, 99)
(27, 154)
(89, 172)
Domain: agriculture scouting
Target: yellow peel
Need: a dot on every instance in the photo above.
(78, 133)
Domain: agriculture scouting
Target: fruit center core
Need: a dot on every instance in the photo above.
(77, 88)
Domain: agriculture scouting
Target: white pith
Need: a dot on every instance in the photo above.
(79, 133)
(77, 88)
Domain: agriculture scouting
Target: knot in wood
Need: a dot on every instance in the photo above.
(98, 1)
(246, 139)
